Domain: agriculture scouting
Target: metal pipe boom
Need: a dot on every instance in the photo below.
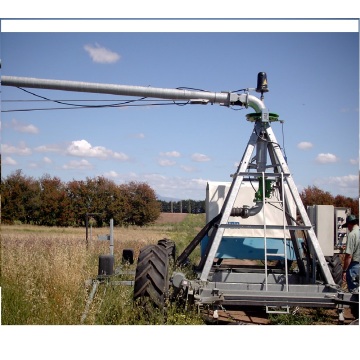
(223, 98)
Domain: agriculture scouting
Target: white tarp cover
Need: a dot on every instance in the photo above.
(215, 197)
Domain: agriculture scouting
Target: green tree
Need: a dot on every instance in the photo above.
(54, 206)
(105, 198)
(20, 199)
(141, 201)
(49, 201)
(118, 207)
(78, 200)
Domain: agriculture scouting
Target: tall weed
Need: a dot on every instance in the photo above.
(44, 271)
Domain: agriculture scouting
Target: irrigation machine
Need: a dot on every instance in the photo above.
(260, 247)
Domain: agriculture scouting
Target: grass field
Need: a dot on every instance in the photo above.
(44, 271)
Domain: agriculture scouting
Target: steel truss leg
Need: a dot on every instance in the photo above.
(229, 202)
(279, 163)
(300, 207)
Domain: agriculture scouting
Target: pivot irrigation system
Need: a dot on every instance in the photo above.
(259, 216)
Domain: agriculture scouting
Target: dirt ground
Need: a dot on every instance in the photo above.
(259, 317)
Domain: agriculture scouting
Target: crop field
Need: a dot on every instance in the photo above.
(45, 273)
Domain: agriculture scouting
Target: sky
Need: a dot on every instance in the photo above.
(313, 81)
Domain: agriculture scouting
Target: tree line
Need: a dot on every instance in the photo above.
(183, 206)
(52, 202)
(312, 195)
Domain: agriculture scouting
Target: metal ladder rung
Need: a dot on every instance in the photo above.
(272, 254)
(254, 173)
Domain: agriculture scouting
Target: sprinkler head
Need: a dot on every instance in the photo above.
(262, 84)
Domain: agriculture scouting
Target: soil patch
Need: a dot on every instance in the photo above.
(258, 316)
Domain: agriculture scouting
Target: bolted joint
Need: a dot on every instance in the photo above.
(247, 211)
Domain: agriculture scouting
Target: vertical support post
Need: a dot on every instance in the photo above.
(89, 301)
(111, 236)
(265, 235)
(284, 230)
(87, 225)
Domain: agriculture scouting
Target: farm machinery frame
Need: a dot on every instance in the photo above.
(258, 216)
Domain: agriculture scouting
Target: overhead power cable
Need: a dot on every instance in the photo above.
(72, 106)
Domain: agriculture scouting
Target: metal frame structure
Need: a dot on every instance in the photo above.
(312, 285)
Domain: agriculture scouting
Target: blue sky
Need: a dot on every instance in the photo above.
(313, 81)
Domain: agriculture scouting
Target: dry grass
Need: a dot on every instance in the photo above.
(43, 274)
(44, 269)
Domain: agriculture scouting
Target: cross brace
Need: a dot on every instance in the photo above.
(262, 132)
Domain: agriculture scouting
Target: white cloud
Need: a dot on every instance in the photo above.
(345, 181)
(78, 164)
(166, 162)
(111, 174)
(22, 149)
(9, 161)
(18, 126)
(47, 148)
(187, 168)
(175, 187)
(354, 161)
(347, 185)
(170, 154)
(101, 55)
(120, 156)
(326, 158)
(47, 160)
(85, 149)
(305, 145)
(199, 157)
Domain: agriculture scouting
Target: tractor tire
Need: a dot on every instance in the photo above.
(152, 276)
(335, 267)
(169, 246)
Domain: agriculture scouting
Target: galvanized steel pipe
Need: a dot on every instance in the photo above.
(225, 98)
